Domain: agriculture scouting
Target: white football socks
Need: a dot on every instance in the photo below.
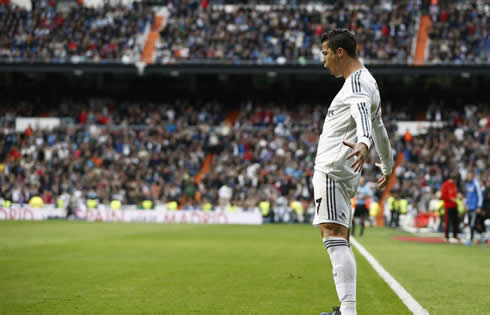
(344, 271)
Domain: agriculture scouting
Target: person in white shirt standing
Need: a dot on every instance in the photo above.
(352, 125)
(225, 194)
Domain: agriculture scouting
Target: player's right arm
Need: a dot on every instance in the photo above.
(360, 108)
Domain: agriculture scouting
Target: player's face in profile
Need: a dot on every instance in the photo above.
(329, 59)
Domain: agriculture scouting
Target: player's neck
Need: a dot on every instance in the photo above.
(352, 66)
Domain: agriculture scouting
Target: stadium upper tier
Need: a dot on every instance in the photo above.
(283, 32)
(460, 34)
(77, 34)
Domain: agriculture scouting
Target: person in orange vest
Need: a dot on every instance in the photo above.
(408, 136)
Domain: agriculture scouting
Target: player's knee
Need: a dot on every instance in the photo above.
(333, 230)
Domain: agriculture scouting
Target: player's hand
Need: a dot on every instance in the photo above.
(383, 180)
(360, 151)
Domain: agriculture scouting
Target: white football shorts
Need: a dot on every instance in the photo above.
(332, 199)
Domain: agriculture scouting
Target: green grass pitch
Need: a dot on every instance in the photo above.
(109, 268)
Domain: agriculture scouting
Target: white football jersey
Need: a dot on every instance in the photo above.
(353, 116)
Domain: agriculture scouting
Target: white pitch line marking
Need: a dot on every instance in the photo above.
(403, 294)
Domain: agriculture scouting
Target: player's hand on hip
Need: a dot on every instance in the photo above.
(360, 151)
(383, 180)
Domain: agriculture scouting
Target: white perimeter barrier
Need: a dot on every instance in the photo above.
(154, 216)
(28, 213)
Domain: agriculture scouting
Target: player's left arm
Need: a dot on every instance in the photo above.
(370, 129)
(383, 147)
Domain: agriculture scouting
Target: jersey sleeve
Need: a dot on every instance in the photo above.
(360, 108)
(370, 126)
(382, 143)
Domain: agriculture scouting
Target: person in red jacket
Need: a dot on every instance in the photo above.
(449, 195)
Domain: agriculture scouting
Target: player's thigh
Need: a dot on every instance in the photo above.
(331, 202)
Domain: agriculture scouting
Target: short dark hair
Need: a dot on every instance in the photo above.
(341, 38)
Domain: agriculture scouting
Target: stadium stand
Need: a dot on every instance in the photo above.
(278, 34)
(462, 144)
(460, 33)
(109, 150)
(142, 157)
(75, 34)
(269, 32)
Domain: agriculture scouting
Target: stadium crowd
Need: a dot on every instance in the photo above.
(272, 33)
(142, 157)
(132, 152)
(75, 34)
(282, 34)
(461, 145)
(460, 34)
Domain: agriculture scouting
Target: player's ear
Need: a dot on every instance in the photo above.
(340, 51)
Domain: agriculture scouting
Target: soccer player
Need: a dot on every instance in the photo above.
(352, 124)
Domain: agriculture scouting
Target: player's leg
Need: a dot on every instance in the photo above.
(344, 268)
(334, 215)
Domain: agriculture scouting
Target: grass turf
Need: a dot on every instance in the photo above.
(108, 268)
(443, 278)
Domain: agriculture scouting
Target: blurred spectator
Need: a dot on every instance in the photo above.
(474, 201)
(361, 206)
(449, 196)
